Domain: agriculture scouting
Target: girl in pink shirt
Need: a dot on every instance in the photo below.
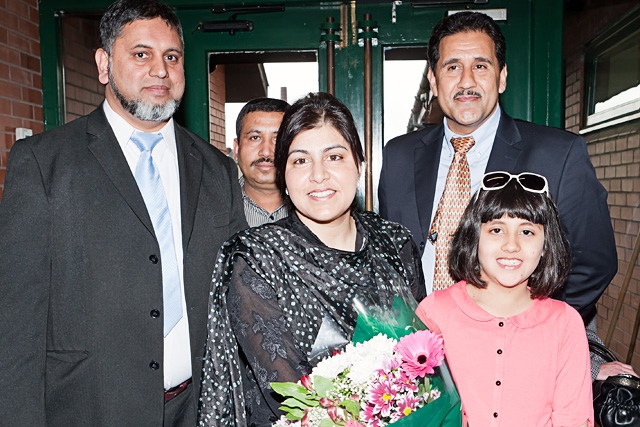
(518, 357)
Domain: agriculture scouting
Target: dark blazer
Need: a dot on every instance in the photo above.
(81, 340)
(408, 181)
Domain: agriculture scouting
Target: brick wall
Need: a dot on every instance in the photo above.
(217, 99)
(615, 154)
(83, 91)
(20, 75)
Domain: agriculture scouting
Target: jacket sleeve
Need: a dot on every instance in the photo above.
(584, 213)
(25, 272)
(238, 220)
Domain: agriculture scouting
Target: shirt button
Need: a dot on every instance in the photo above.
(498, 383)
(153, 259)
(501, 324)
(495, 415)
(155, 313)
(154, 365)
(499, 351)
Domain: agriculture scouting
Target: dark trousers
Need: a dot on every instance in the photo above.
(181, 411)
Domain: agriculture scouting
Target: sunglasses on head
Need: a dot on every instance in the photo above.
(529, 181)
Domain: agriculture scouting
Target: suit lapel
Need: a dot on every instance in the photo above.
(190, 167)
(507, 146)
(105, 148)
(427, 159)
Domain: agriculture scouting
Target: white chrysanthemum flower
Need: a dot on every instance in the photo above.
(366, 358)
(332, 366)
(362, 359)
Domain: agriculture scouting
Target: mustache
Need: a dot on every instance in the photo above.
(466, 93)
(262, 160)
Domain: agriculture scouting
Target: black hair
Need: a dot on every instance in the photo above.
(516, 202)
(313, 111)
(123, 12)
(265, 105)
(464, 22)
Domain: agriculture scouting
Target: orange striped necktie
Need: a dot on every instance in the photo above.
(456, 196)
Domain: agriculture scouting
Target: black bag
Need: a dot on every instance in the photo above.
(616, 400)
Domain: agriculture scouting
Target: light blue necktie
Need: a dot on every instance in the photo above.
(150, 185)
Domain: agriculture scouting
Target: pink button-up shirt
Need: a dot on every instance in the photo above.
(531, 369)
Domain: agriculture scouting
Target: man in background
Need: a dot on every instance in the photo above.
(467, 73)
(110, 227)
(256, 129)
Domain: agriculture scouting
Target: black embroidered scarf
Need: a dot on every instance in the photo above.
(281, 300)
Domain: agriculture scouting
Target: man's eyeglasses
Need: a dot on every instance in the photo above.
(529, 181)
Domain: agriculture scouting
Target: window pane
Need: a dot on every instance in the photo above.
(618, 75)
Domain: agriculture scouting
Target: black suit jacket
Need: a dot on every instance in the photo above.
(408, 181)
(80, 343)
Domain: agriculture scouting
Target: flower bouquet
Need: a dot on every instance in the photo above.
(393, 371)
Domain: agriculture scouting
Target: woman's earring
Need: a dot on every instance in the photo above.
(286, 191)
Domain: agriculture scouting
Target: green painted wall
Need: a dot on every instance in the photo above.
(534, 55)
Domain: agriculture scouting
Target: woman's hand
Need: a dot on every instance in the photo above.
(614, 368)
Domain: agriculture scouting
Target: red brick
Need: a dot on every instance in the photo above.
(10, 124)
(37, 81)
(29, 29)
(22, 110)
(18, 41)
(5, 107)
(21, 76)
(32, 96)
(38, 115)
(10, 55)
(34, 15)
(30, 62)
(9, 90)
(5, 141)
(18, 7)
(4, 71)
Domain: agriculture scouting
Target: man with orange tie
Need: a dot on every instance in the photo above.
(428, 176)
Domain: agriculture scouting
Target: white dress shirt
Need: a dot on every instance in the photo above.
(177, 352)
(478, 157)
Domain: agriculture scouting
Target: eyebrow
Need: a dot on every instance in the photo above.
(145, 46)
(263, 130)
(324, 150)
(477, 59)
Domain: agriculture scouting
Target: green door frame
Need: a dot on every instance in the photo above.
(533, 30)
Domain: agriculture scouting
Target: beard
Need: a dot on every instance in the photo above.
(144, 110)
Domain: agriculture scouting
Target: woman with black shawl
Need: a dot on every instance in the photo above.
(283, 294)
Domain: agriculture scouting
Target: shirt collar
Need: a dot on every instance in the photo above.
(250, 200)
(123, 130)
(532, 316)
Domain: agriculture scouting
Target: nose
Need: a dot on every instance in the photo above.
(318, 173)
(159, 67)
(267, 147)
(467, 78)
(511, 243)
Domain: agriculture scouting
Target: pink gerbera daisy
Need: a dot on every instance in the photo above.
(421, 351)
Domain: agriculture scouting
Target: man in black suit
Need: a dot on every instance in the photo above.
(467, 73)
(83, 340)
